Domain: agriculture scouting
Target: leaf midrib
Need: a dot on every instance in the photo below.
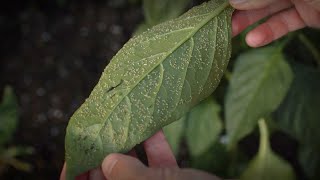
(196, 29)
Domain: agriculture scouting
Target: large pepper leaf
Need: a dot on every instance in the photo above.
(267, 165)
(258, 85)
(8, 115)
(152, 81)
(204, 127)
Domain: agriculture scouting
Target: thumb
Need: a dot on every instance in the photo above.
(122, 167)
(250, 4)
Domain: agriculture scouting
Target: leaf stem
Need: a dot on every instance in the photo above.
(314, 51)
(264, 137)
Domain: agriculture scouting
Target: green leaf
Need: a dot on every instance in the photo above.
(8, 115)
(156, 12)
(267, 165)
(259, 83)
(141, 28)
(155, 79)
(174, 133)
(215, 160)
(204, 127)
(299, 116)
(309, 158)
(299, 113)
(159, 11)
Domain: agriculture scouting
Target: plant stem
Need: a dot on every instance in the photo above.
(264, 137)
(19, 165)
(314, 51)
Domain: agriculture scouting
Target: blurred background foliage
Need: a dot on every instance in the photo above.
(8, 125)
(53, 52)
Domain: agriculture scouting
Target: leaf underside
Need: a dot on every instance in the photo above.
(152, 81)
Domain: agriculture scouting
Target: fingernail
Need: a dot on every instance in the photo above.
(108, 165)
(237, 1)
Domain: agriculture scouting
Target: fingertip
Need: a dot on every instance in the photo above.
(119, 166)
(250, 4)
(245, 4)
(108, 164)
(238, 4)
(256, 39)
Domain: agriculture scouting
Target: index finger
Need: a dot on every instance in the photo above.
(159, 152)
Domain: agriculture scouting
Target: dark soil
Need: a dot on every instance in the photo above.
(53, 56)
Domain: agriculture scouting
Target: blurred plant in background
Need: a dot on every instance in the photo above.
(8, 124)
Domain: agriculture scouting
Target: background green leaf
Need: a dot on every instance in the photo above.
(309, 158)
(159, 11)
(260, 81)
(8, 115)
(267, 165)
(214, 160)
(204, 127)
(299, 113)
(156, 12)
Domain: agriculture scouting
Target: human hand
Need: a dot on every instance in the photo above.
(285, 16)
(162, 165)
